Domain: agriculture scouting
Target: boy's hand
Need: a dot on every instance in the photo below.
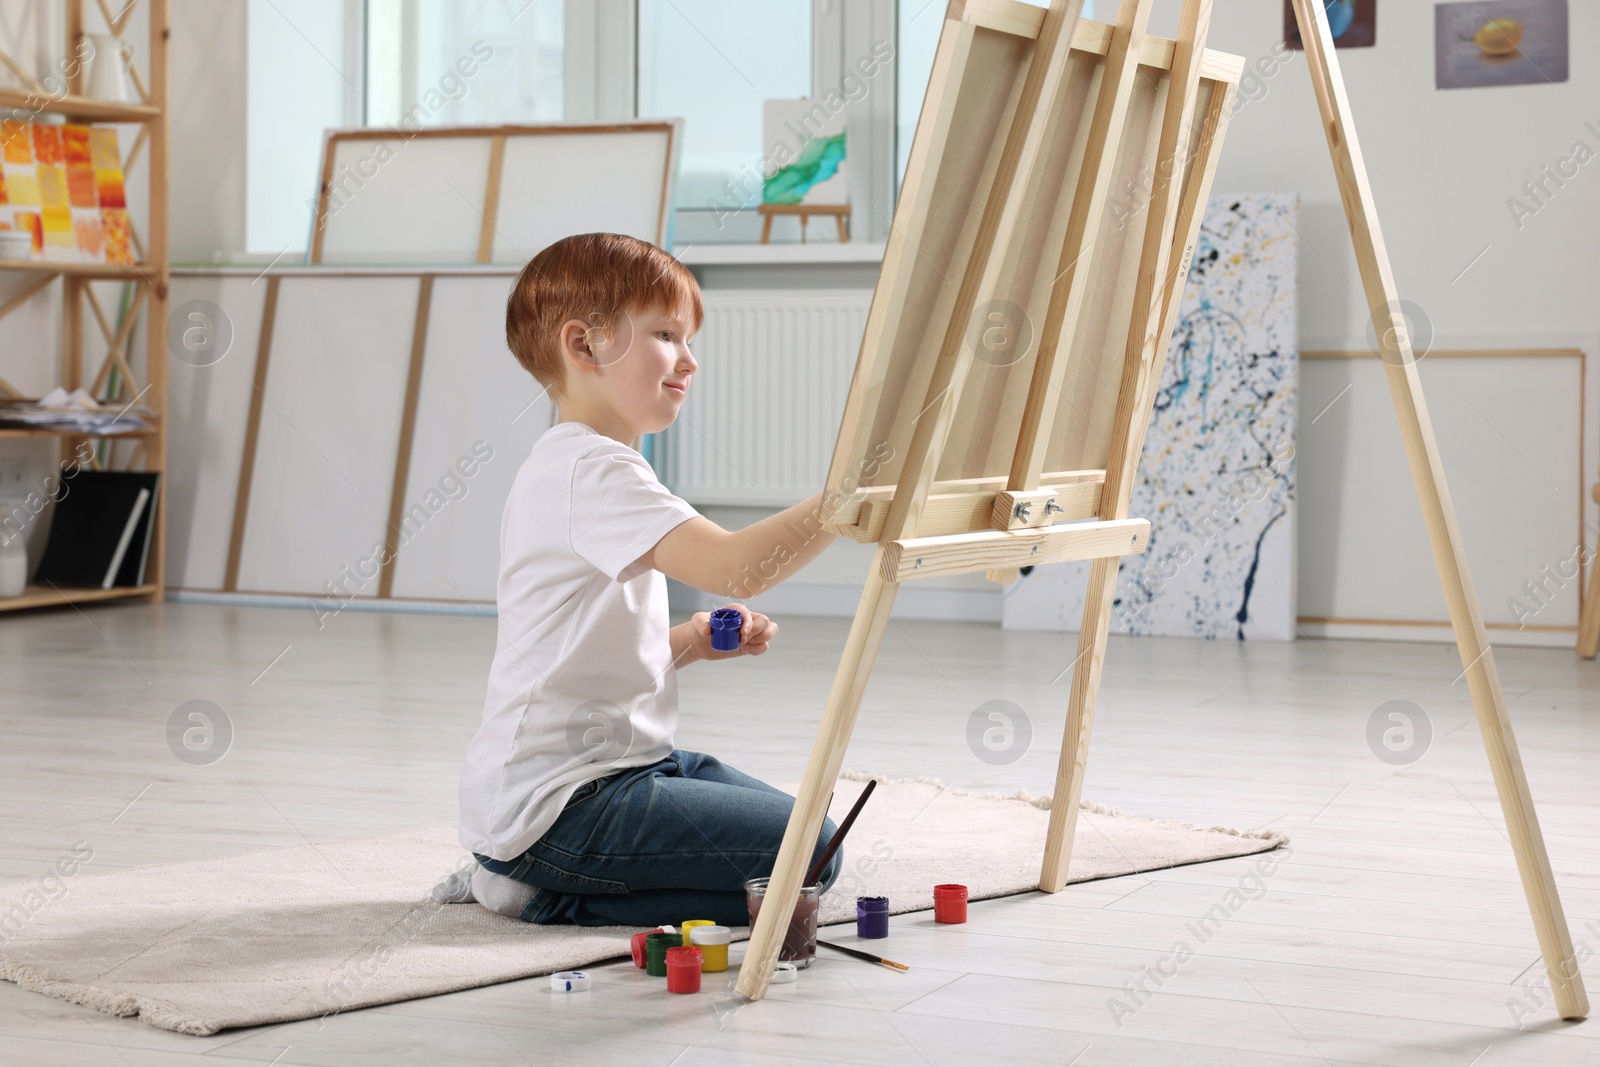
(755, 635)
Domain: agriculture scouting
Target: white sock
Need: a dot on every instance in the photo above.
(500, 893)
(456, 887)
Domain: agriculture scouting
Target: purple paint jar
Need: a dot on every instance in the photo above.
(872, 916)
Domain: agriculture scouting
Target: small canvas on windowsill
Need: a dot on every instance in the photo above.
(803, 168)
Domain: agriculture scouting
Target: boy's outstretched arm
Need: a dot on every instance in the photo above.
(742, 563)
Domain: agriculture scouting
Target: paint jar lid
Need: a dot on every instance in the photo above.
(950, 890)
(569, 981)
(872, 905)
(784, 973)
(659, 942)
(710, 935)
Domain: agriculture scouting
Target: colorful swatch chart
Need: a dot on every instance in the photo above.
(63, 185)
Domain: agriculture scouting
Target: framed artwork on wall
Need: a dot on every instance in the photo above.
(1486, 43)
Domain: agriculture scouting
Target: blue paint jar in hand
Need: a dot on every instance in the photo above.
(725, 626)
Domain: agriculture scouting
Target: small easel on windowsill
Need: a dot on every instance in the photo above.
(840, 213)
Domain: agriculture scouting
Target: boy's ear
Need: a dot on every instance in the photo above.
(606, 344)
(575, 335)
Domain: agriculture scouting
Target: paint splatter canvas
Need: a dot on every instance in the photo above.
(805, 152)
(1217, 475)
(63, 185)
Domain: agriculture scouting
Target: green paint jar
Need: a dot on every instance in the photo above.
(655, 952)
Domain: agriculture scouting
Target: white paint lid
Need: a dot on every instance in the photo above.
(710, 935)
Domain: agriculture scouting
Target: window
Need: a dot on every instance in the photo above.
(316, 64)
(714, 63)
(464, 62)
(919, 26)
(301, 80)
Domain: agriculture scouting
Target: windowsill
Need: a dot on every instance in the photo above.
(779, 254)
(728, 255)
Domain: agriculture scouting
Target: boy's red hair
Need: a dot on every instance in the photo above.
(592, 277)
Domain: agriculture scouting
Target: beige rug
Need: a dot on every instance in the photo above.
(298, 932)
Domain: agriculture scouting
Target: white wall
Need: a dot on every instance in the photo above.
(1442, 164)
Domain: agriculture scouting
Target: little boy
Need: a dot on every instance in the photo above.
(573, 798)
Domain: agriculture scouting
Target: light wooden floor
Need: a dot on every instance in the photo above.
(1396, 933)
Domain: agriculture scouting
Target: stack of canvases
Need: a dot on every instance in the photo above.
(63, 185)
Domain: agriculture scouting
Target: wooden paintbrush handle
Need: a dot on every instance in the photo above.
(838, 839)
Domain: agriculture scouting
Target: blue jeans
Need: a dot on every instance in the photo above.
(663, 843)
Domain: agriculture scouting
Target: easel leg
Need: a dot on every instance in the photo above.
(766, 228)
(822, 771)
(1438, 513)
(1092, 636)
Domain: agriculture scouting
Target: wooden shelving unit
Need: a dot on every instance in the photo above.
(130, 272)
(148, 449)
(80, 107)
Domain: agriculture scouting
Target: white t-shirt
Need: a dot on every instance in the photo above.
(582, 682)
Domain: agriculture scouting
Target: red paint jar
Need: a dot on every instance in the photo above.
(949, 903)
(683, 969)
(637, 944)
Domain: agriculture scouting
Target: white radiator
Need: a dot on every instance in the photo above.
(763, 411)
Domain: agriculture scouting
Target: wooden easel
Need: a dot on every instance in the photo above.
(1014, 290)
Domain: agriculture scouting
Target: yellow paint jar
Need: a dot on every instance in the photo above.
(690, 925)
(712, 941)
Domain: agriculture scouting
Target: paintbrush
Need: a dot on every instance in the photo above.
(858, 954)
(838, 839)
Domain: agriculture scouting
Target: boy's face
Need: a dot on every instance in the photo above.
(641, 371)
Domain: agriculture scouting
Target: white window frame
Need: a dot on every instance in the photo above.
(602, 62)
(843, 35)
(600, 59)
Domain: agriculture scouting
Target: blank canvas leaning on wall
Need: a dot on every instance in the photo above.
(330, 422)
(1217, 475)
(489, 194)
(1512, 422)
(332, 426)
(557, 184)
(207, 404)
(478, 416)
